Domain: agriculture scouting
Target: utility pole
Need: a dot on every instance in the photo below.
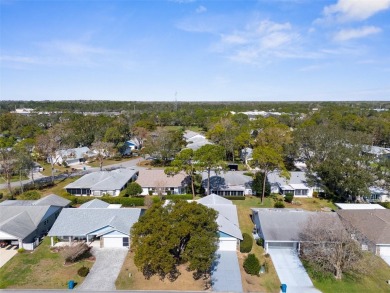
(176, 101)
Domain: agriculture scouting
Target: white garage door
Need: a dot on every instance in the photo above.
(113, 242)
(385, 250)
(275, 245)
(227, 244)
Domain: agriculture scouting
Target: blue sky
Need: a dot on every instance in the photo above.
(265, 50)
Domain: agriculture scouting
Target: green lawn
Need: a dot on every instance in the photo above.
(377, 272)
(108, 162)
(39, 269)
(13, 179)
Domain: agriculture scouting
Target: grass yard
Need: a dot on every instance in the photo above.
(268, 282)
(311, 204)
(131, 279)
(108, 162)
(377, 272)
(39, 269)
(14, 178)
(58, 188)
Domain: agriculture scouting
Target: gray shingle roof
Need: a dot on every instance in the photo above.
(374, 224)
(95, 203)
(104, 180)
(51, 199)
(227, 214)
(223, 180)
(284, 224)
(295, 178)
(80, 222)
(21, 221)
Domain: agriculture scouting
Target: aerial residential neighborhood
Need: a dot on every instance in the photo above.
(195, 146)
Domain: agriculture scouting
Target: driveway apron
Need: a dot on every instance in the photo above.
(105, 270)
(226, 276)
(291, 271)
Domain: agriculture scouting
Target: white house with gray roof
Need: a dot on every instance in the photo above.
(155, 181)
(229, 229)
(296, 184)
(281, 228)
(72, 156)
(195, 140)
(110, 226)
(229, 183)
(24, 222)
(102, 182)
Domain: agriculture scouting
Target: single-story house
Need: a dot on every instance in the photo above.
(370, 227)
(246, 155)
(229, 183)
(24, 222)
(157, 182)
(72, 156)
(378, 194)
(229, 229)
(130, 146)
(110, 226)
(359, 206)
(195, 140)
(296, 184)
(102, 182)
(281, 228)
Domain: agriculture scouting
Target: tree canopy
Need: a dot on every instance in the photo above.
(167, 236)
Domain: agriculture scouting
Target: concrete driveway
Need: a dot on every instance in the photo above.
(291, 271)
(105, 270)
(7, 253)
(225, 275)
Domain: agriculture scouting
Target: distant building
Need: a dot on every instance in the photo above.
(195, 140)
(72, 156)
(296, 184)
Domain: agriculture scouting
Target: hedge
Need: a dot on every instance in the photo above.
(252, 265)
(232, 197)
(178, 196)
(246, 243)
(385, 204)
(124, 201)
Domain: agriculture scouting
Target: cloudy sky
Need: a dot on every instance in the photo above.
(264, 50)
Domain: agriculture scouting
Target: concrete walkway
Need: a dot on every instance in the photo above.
(226, 276)
(105, 270)
(291, 271)
(7, 253)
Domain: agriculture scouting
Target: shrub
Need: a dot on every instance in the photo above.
(385, 204)
(74, 252)
(30, 195)
(232, 197)
(252, 265)
(259, 241)
(124, 201)
(133, 189)
(150, 192)
(178, 196)
(21, 250)
(169, 192)
(83, 271)
(279, 205)
(246, 243)
(289, 197)
(1, 195)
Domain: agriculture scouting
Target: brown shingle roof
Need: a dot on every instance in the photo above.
(374, 224)
(157, 178)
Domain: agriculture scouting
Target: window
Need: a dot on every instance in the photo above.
(125, 242)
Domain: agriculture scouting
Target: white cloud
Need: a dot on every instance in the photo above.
(19, 59)
(353, 10)
(72, 48)
(201, 9)
(258, 41)
(349, 34)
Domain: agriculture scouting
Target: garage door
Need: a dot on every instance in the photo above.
(227, 244)
(275, 245)
(113, 242)
(385, 250)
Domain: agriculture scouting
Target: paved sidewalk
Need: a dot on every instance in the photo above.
(105, 270)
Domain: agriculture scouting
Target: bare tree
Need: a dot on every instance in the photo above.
(104, 149)
(328, 247)
(7, 165)
(75, 251)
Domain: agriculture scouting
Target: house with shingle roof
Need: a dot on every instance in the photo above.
(229, 183)
(71, 156)
(155, 181)
(228, 225)
(25, 222)
(297, 184)
(195, 140)
(371, 228)
(95, 220)
(102, 182)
